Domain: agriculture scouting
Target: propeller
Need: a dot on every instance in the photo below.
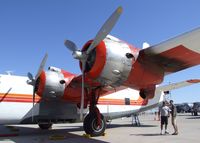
(82, 56)
(34, 80)
(82, 90)
(105, 29)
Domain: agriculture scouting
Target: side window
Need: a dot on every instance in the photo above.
(127, 101)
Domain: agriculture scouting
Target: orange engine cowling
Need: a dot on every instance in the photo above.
(148, 93)
(95, 61)
(110, 62)
(51, 84)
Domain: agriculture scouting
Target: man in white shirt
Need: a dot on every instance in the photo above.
(164, 112)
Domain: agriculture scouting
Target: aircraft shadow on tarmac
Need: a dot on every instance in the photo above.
(156, 134)
(25, 133)
(128, 125)
(194, 117)
(26, 130)
(189, 116)
(185, 115)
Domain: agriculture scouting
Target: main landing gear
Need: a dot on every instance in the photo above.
(94, 123)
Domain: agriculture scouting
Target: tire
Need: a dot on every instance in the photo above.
(45, 126)
(90, 127)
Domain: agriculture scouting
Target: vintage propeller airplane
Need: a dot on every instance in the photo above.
(109, 65)
(19, 107)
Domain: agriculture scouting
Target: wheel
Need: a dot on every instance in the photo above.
(90, 125)
(45, 126)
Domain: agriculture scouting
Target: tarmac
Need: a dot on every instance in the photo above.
(118, 131)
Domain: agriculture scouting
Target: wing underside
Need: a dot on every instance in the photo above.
(174, 54)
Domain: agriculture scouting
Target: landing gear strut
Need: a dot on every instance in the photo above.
(135, 120)
(94, 123)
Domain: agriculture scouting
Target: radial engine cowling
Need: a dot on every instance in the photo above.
(51, 83)
(110, 62)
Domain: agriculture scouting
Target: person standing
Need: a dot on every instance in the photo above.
(164, 112)
(173, 117)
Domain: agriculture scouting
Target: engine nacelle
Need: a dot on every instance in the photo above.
(51, 83)
(110, 62)
(147, 93)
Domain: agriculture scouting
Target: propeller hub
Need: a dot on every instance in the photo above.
(78, 55)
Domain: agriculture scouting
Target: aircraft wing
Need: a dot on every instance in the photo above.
(155, 102)
(174, 54)
(177, 85)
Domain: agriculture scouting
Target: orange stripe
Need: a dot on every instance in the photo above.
(121, 101)
(18, 95)
(1, 98)
(102, 101)
(18, 98)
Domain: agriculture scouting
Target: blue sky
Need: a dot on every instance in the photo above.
(30, 28)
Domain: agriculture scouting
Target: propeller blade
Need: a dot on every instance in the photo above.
(83, 90)
(31, 79)
(41, 66)
(33, 104)
(30, 76)
(105, 29)
(34, 80)
(70, 45)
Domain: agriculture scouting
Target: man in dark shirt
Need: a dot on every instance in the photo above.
(173, 116)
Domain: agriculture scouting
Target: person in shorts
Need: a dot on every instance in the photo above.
(164, 112)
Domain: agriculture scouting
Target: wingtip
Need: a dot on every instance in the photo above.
(194, 81)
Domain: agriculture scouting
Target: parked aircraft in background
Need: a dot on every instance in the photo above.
(192, 108)
(183, 108)
(196, 108)
(108, 64)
